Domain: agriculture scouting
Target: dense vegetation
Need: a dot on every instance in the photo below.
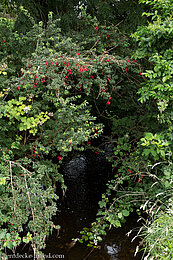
(65, 82)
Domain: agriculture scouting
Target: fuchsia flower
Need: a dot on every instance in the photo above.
(59, 158)
(97, 28)
(126, 69)
(108, 103)
(19, 87)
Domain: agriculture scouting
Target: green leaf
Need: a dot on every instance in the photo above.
(120, 215)
(149, 136)
(125, 212)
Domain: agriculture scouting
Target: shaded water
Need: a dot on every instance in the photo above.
(85, 177)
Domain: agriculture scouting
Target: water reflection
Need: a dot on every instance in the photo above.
(112, 250)
(86, 176)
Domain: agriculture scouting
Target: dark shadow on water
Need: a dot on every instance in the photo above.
(86, 177)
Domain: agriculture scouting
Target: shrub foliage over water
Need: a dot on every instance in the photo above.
(57, 94)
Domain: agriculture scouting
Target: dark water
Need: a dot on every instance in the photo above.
(85, 177)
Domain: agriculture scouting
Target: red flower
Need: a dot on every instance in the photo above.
(19, 87)
(59, 158)
(97, 28)
(135, 60)
(110, 98)
(108, 103)
(46, 62)
(140, 73)
(107, 60)
(126, 69)
(115, 45)
(128, 60)
(78, 53)
(53, 64)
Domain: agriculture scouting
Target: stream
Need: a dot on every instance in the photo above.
(86, 176)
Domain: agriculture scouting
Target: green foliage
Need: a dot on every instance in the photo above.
(42, 112)
(159, 235)
(154, 145)
(55, 93)
(155, 43)
(47, 96)
(126, 13)
(142, 163)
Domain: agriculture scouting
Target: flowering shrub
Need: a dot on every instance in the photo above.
(47, 94)
(55, 95)
(142, 159)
